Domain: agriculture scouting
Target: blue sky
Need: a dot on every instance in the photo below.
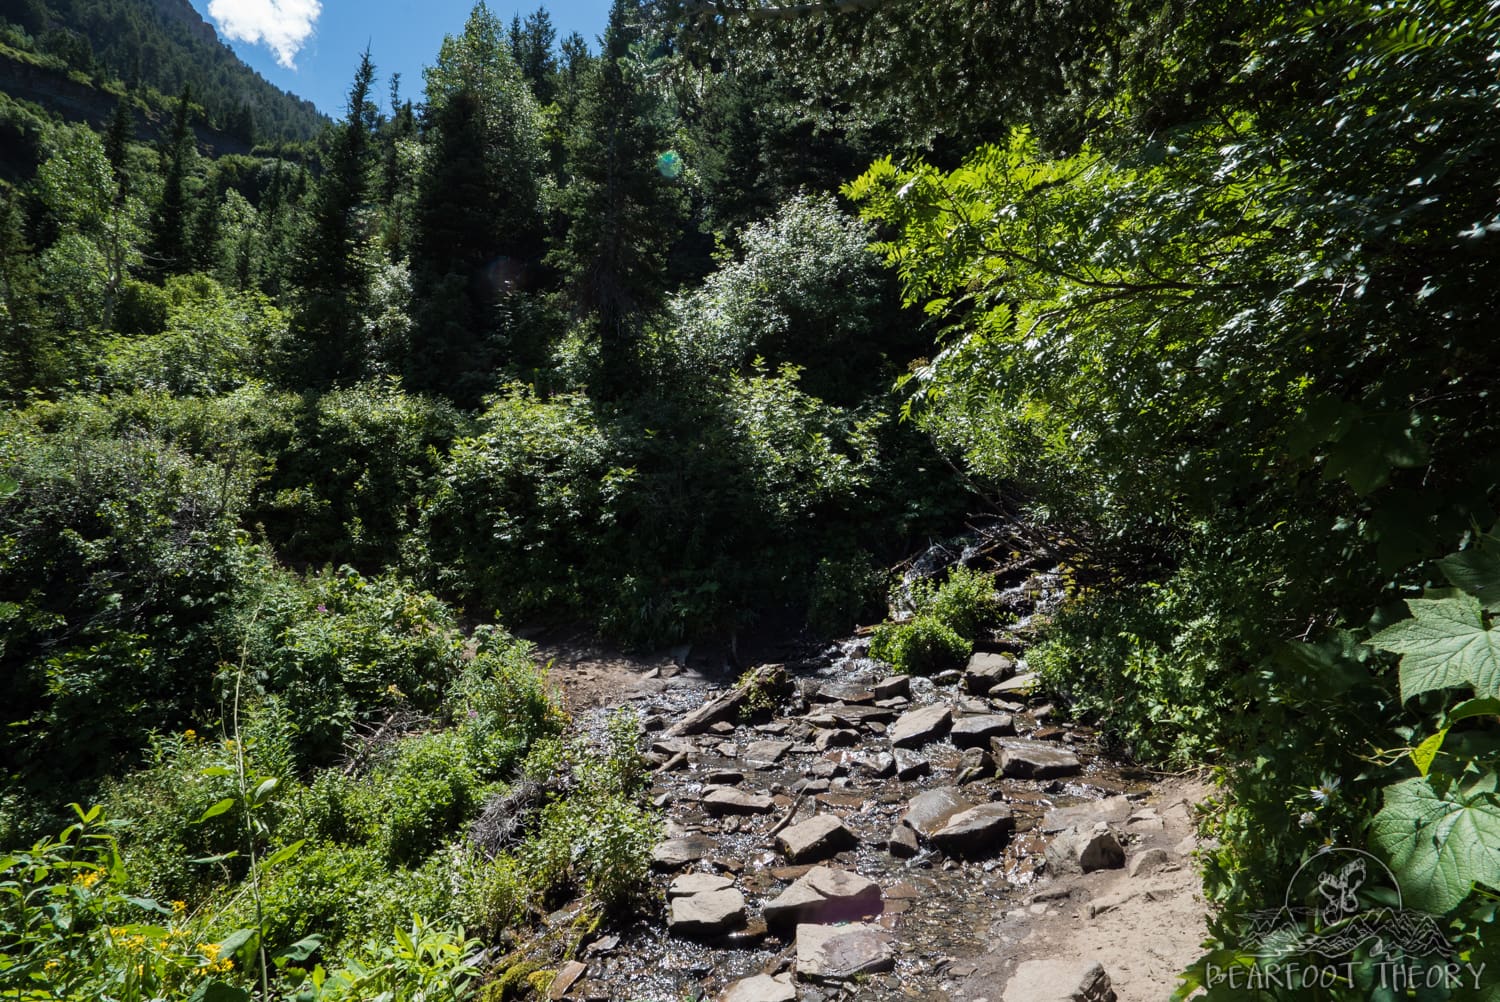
(312, 47)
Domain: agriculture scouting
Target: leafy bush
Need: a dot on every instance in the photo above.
(501, 704)
(124, 561)
(347, 648)
(424, 794)
(921, 646)
(965, 602)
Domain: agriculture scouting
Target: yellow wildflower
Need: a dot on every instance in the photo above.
(53, 965)
(178, 907)
(89, 879)
(209, 950)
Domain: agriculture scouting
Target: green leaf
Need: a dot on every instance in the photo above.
(1487, 707)
(1476, 570)
(283, 854)
(1424, 753)
(1445, 645)
(235, 941)
(1439, 848)
(301, 950)
(216, 810)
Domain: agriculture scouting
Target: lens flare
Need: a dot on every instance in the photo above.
(669, 164)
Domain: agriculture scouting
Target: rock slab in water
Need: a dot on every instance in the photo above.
(975, 732)
(727, 704)
(830, 954)
(566, 975)
(1074, 850)
(917, 728)
(675, 853)
(726, 800)
(932, 809)
(698, 883)
(1113, 810)
(1021, 685)
(824, 894)
(985, 671)
(979, 831)
(819, 837)
(711, 913)
(910, 764)
(761, 988)
(766, 752)
(1059, 981)
(902, 843)
(1031, 760)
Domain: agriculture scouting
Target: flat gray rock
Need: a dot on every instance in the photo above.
(975, 732)
(829, 954)
(1034, 760)
(698, 883)
(852, 694)
(676, 853)
(919, 727)
(1059, 981)
(979, 831)
(1021, 685)
(881, 765)
(727, 800)
(761, 988)
(824, 894)
(985, 671)
(817, 838)
(976, 764)
(711, 913)
(932, 809)
(892, 687)
(766, 752)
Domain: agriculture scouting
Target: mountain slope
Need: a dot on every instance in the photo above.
(161, 45)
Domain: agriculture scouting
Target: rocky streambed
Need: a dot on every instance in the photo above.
(833, 831)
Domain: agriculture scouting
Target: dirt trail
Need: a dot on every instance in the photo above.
(938, 925)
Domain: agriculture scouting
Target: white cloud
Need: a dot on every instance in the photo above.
(282, 25)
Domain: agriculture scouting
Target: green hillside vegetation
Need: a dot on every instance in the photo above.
(152, 50)
(700, 333)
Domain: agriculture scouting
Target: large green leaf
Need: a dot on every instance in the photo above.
(1444, 645)
(1476, 570)
(1439, 847)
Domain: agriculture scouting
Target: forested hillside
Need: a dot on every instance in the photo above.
(696, 336)
(152, 50)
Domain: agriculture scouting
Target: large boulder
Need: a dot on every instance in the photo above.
(932, 809)
(817, 838)
(979, 831)
(919, 727)
(1034, 760)
(824, 894)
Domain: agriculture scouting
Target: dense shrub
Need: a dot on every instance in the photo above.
(920, 646)
(124, 563)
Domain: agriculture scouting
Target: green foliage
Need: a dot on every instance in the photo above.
(965, 601)
(419, 963)
(125, 556)
(72, 931)
(842, 591)
(921, 646)
(349, 648)
(501, 704)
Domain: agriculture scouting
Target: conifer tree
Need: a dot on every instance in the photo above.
(623, 206)
(169, 223)
(331, 268)
(478, 222)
